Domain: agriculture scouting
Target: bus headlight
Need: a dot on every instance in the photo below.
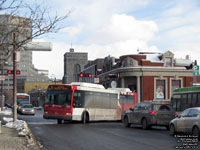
(68, 114)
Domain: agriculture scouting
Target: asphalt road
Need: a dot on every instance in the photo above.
(98, 136)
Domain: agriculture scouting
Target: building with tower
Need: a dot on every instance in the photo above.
(74, 63)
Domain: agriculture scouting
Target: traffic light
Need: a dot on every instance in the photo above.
(89, 75)
(81, 75)
(11, 72)
(18, 72)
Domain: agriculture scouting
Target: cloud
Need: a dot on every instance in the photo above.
(115, 27)
(73, 30)
(122, 27)
(121, 35)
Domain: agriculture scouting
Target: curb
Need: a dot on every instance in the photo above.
(31, 138)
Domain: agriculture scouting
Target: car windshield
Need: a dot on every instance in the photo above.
(27, 106)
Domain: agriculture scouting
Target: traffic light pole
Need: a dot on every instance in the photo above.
(2, 89)
(14, 79)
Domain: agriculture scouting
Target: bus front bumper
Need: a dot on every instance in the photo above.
(57, 117)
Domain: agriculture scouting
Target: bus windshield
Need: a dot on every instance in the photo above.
(23, 98)
(59, 97)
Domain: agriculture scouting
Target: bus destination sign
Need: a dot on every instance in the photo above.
(59, 87)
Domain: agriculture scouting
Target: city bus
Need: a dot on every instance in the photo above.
(127, 98)
(23, 98)
(186, 97)
(81, 101)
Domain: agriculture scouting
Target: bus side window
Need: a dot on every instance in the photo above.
(189, 100)
(77, 99)
(198, 99)
(184, 102)
(194, 99)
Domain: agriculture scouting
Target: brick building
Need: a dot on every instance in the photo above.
(153, 76)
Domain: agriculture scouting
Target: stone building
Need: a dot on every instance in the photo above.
(74, 63)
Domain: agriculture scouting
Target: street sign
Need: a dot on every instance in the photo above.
(2, 78)
(196, 70)
(96, 80)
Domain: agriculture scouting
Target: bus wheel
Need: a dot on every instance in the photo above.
(59, 121)
(126, 123)
(85, 118)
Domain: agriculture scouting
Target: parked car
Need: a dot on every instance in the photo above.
(8, 105)
(27, 109)
(187, 122)
(148, 114)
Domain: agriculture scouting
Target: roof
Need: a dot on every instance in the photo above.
(153, 57)
(90, 85)
(187, 89)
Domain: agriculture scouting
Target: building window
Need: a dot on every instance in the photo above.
(160, 89)
(168, 62)
(175, 85)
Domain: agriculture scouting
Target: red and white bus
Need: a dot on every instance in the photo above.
(127, 98)
(82, 102)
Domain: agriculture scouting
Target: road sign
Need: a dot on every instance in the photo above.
(96, 80)
(2, 77)
(196, 70)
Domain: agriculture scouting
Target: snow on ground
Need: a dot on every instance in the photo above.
(6, 111)
(19, 125)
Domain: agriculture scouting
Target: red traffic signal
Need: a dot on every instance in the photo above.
(81, 75)
(11, 72)
(18, 72)
(90, 75)
(85, 75)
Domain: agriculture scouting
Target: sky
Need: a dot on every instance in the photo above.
(120, 27)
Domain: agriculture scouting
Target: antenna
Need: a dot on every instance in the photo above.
(71, 49)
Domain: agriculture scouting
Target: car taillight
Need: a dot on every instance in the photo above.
(175, 113)
(152, 112)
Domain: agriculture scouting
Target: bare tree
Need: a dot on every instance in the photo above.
(27, 21)
(20, 23)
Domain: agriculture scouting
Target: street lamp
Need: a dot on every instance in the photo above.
(32, 46)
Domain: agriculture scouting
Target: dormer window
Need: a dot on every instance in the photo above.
(168, 62)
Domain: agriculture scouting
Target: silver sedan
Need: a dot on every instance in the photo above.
(27, 109)
(187, 122)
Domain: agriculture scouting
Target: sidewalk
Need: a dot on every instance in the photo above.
(10, 139)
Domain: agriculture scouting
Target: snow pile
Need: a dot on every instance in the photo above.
(18, 124)
(6, 111)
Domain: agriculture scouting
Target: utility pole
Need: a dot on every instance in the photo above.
(14, 79)
(2, 88)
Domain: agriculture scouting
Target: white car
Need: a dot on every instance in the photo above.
(27, 109)
(187, 122)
